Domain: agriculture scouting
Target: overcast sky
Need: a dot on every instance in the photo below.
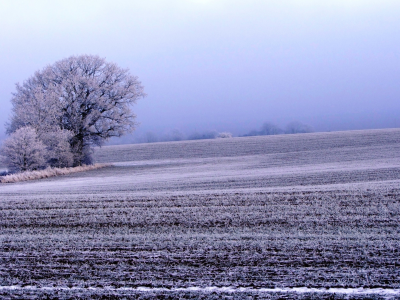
(222, 64)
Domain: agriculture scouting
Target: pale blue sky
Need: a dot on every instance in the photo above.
(219, 64)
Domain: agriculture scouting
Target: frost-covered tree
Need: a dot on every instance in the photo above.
(176, 135)
(59, 152)
(224, 135)
(210, 134)
(35, 107)
(266, 129)
(150, 137)
(24, 151)
(270, 129)
(85, 95)
(297, 127)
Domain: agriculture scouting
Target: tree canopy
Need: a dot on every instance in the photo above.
(83, 95)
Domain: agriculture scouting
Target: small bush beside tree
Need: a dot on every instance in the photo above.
(59, 152)
(24, 151)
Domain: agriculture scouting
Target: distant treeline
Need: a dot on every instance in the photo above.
(266, 129)
(177, 135)
(271, 129)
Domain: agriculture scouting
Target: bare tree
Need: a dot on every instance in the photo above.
(266, 129)
(210, 134)
(82, 94)
(270, 129)
(176, 135)
(297, 127)
(150, 137)
(24, 151)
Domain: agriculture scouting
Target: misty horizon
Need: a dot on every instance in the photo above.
(227, 66)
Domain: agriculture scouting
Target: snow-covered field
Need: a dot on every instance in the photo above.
(303, 215)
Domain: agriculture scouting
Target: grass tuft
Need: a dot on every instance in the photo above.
(48, 172)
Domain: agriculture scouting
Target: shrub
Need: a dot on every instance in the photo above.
(24, 151)
(59, 152)
(224, 135)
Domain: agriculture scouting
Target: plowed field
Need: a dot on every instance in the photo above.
(174, 219)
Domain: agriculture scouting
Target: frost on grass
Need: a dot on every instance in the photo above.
(48, 172)
(211, 292)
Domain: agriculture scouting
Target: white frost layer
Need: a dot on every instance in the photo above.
(298, 290)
